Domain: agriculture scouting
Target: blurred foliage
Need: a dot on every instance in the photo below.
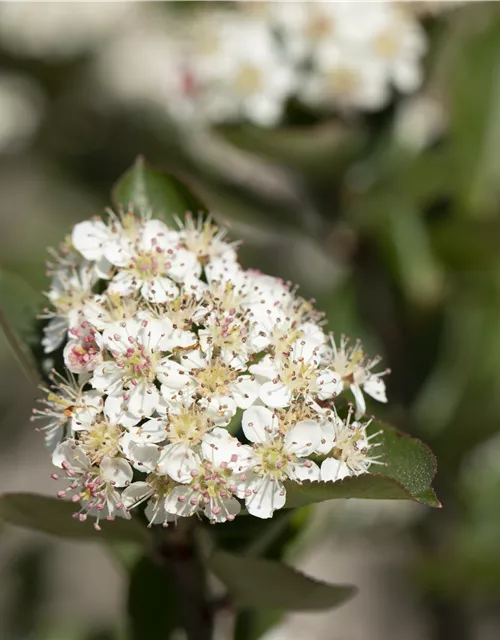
(398, 244)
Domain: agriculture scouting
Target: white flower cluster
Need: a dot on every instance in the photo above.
(171, 347)
(248, 61)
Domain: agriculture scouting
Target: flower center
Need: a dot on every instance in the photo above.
(188, 426)
(386, 46)
(101, 440)
(215, 378)
(343, 81)
(272, 460)
(137, 362)
(248, 80)
(297, 375)
(147, 266)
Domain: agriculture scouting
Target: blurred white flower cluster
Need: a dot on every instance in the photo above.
(245, 62)
(171, 347)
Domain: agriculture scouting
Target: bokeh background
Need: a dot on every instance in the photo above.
(391, 220)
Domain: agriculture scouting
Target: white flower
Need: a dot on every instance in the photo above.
(350, 450)
(184, 428)
(102, 311)
(296, 375)
(353, 370)
(93, 487)
(221, 388)
(66, 405)
(69, 290)
(206, 240)
(137, 362)
(153, 265)
(277, 456)
(233, 81)
(155, 491)
(212, 480)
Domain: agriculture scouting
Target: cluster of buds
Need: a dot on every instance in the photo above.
(192, 385)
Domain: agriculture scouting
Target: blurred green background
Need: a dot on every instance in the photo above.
(391, 221)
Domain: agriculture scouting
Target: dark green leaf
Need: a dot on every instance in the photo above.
(411, 466)
(54, 516)
(265, 584)
(146, 189)
(19, 306)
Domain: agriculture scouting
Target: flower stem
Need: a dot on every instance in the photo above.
(177, 552)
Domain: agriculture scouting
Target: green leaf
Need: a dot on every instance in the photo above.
(265, 584)
(410, 469)
(54, 516)
(146, 189)
(19, 306)
(152, 603)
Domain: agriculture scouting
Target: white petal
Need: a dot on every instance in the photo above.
(172, 375)
(179, 502)
(219, 447)
(135, 493)
(70, 453)
(159, 290)
(304, 470)
(107, 377)
(54, 334)
(90, 238)
(178, 461)
(328, 385)
(266, 496)
(259, 424)
(303, 438)
(156, 234)
(245, 391)
(375, 387)
(327, 430)
(221, 410)
(116, 470)
(116, 413)
(360, 400)
(275, 395)
(333, 470)
(266, 368)
(224, 508)
(143, 399)
(151, 431)
(144, 457)
(124, 283)
(155, 512)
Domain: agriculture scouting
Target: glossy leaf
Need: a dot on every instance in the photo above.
(266, 584)
(19, 306)
(146, 189)
(54, 516)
